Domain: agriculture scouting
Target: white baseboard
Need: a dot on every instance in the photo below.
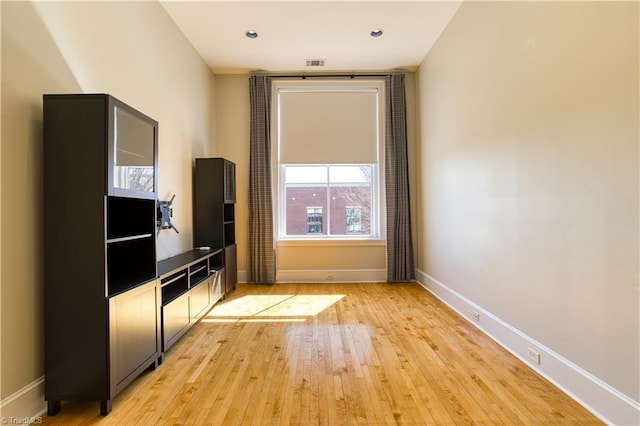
(316, 276)
(605, 402)
(337, 275)
(24, 406)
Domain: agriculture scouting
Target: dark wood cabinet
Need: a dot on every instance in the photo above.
(214, 186)
(134, 332)
(190, 285)
(102, 299)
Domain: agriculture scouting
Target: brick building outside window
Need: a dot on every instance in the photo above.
(348, 207)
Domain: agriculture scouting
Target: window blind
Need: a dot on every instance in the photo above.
(328, 126)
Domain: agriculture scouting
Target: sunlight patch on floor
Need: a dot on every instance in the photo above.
(272, 308)
(247, 306)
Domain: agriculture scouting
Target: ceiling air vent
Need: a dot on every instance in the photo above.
(315, 62)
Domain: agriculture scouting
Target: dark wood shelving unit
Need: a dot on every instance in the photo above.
(214, 197)
(102, 299)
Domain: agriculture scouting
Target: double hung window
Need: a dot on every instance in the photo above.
(328, 159)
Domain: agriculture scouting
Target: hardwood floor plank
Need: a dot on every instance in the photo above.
(335, 354)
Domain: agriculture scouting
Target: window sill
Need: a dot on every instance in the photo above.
(330, 242)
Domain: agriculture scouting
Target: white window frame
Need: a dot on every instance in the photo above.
(378, 223)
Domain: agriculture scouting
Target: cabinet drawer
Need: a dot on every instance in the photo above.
(199, 299)
(175, 319)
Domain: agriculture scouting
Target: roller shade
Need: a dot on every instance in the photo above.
(328, 126)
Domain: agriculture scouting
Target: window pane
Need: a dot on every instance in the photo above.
(314, 220)
(350, 174)
(354, 220)
(328, 200)
(306, 174)
(300, 200)
(350, 197)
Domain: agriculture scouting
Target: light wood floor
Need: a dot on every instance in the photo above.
(331, 354)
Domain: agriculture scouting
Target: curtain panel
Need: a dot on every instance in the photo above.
(261, 255)
(400, 262)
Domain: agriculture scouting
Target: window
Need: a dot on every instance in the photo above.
(353, 220)
(327, 159)
(314, 220)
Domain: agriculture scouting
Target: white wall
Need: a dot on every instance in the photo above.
(131, 50)
(529, 175)
(232, 134)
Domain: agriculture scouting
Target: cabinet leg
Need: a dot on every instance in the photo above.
(53, 408)
(105, 407)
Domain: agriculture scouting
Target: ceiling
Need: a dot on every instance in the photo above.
(291, 32)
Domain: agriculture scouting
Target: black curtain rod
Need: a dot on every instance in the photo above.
(341, 75)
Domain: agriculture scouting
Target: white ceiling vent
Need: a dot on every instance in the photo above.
(315, 62)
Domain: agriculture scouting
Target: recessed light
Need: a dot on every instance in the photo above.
(251, 34)
(377, 32)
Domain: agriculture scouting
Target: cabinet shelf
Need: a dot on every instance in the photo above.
(198, 273)
(174, 286)
(171, 293)
(174, 279)
(198, 269)
(122, 273)
(130, 238)
(229, 212)
(129, 217)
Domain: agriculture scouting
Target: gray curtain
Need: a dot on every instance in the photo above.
(261, 257)
(400, 263)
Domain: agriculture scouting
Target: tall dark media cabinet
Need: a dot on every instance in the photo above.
(102, 297)
(214, 197)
